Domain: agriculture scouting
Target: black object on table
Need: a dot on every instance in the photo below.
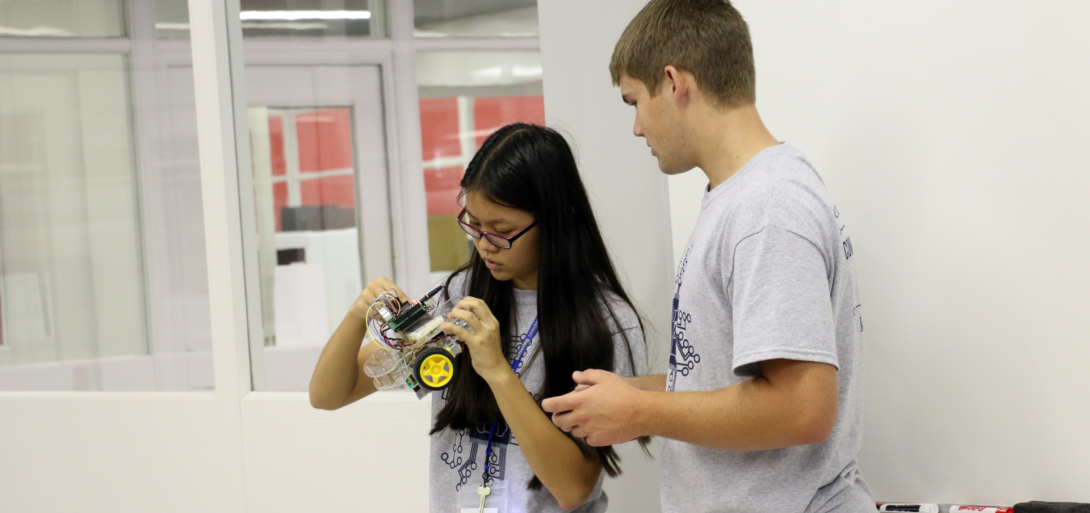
(1051, 507)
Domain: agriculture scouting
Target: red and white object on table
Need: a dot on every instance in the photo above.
(980, 509)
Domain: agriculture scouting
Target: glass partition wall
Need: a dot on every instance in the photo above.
(103, 283)
(102, 280)
(480, 18)
(64, 18)
(464, 97)
(478, 68)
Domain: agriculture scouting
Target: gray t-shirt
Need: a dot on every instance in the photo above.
(457, 455)
(768, 274)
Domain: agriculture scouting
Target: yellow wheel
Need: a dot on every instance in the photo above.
(435, 368)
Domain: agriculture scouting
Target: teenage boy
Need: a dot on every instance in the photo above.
(762, 407)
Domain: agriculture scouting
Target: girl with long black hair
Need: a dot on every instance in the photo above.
(542, 300)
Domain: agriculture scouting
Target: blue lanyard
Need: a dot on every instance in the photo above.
(524, 345)
(516, 362)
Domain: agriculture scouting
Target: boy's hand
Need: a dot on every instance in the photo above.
(601, 410)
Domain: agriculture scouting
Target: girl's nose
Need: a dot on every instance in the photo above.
(485, 246)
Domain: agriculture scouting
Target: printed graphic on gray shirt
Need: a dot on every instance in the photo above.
(683, 358)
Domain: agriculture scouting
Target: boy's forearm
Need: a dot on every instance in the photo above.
(750, 416)
(651, 383)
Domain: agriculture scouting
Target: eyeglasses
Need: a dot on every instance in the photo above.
(495, 239)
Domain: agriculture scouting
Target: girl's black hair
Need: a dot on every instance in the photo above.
(531, 168)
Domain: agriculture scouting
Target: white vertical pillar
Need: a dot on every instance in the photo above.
(467, 129)
(292, 172)
(266, 228)
(212, 76)
(408, 201)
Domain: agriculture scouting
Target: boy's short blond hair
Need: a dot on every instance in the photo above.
(707, 38)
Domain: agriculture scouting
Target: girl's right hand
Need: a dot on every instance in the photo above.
(371, 292)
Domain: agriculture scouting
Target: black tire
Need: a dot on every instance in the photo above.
(435, 368)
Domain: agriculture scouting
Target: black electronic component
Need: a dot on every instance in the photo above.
(408, 316)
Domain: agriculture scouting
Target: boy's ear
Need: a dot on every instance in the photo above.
(676, 84)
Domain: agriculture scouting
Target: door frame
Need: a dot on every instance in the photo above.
(372, 212)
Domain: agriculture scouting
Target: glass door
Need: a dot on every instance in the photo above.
(322, 207)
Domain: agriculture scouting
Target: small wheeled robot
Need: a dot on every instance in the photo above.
(415, 351)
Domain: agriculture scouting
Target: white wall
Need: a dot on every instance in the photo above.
(165, 452)
(628, 192)
(953, 137)
(302, 459)
(85, 451)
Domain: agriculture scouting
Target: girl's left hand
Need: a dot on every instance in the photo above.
(484, 341)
